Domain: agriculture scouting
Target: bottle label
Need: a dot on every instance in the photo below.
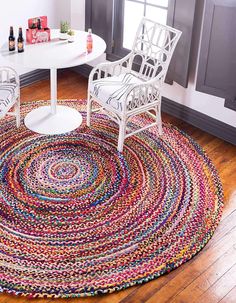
(12, 45)
(20, 46)
(89, 46)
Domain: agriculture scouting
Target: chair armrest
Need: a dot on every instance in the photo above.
(106, 69)
(10, 74)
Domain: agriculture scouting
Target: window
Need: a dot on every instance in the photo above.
(134, 10)
(128, 14)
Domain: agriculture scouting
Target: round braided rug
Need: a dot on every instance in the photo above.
(78, 218)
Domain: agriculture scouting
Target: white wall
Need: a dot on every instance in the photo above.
(72, 11)
(63, 10)
(78, 14)
(17, 13)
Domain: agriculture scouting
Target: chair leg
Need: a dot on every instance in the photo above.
(159, 120)
(89, 110)
(121, 138)
(17, 111)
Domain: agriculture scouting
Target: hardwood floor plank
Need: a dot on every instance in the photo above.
(230, 206)
(4, 298)
(145, 291)
(74, 300)
(219, 289)
(195, 268)
(117, 297)
(210, 276)
(230, 297)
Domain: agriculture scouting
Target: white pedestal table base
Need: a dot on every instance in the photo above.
(42, 121)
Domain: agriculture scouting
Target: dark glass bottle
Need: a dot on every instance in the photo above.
(20, 41)
(12, 43)
(39, 25)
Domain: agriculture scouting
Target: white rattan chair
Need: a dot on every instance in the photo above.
(9, 93)
(123, 92)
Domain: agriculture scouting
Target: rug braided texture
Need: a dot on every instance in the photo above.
(78, 218)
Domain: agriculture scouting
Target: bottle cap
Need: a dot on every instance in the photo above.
(90, 31)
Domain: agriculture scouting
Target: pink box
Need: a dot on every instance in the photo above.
(37, 35)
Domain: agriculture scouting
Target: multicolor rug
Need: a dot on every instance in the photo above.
(78, 218)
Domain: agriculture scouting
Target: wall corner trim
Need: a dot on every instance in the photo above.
(208, 124)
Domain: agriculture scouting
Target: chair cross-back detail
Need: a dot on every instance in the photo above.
(9, 93)
(133, 85)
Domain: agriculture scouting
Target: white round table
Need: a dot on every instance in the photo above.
(53, 55)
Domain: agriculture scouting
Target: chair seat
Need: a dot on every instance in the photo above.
(112, 90)
(7, 97)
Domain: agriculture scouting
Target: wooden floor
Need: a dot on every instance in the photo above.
(211, 275)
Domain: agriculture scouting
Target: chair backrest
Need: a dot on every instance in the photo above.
(153, 47)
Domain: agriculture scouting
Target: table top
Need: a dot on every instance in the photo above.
(56, 53)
